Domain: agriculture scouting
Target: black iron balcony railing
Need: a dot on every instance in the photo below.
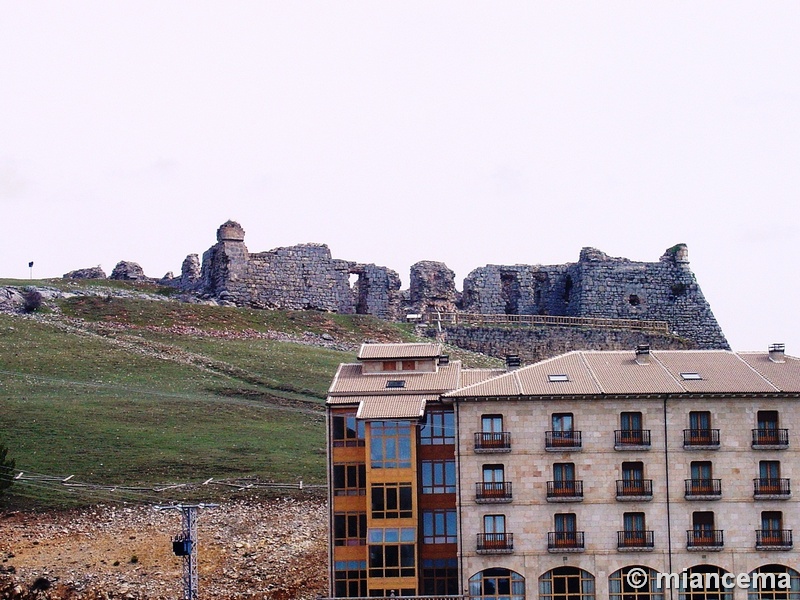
(567, 490)
(488, 441)
(635, 540)
(703, 489)
(631, 438)
(634, 489)
(773, 539)
(701, 438)
(771, 488)
(562, 440)
(495, 543)
(495, 491)
(770, 439)
(565, 541)
(704, 539)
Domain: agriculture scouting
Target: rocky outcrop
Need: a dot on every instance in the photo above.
(90, 273)
(128, 271)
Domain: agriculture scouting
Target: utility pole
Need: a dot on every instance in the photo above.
(30, 266)
(185, 545)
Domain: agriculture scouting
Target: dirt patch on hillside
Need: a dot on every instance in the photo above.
(271, 549)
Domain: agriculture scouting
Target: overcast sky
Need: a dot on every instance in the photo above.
(464, 132)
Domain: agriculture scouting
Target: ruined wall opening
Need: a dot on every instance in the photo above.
(359, 285)
(567, 288)
(634, 300)
(510, 292)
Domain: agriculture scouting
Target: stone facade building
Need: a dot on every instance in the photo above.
(580, 477)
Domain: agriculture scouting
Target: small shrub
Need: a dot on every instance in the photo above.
(134, 559)
(6, 470)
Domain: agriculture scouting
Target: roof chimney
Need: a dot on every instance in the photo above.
(777, 353)
(643, 354)
(512, 362)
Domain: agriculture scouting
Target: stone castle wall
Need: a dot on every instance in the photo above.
(307, 277)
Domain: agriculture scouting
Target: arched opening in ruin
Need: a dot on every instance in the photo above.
(567, 288)
(510, 292)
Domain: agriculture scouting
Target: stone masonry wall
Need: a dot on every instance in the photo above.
(307, 277)
(537, 343)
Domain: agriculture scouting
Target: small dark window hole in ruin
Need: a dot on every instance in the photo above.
(634, 300)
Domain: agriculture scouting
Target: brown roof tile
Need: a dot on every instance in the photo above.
(391, 407)
(785, 376)
(350, 380)
(398, 351)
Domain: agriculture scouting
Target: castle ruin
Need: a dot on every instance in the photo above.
(306, 277)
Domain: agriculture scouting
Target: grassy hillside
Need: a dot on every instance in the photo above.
(135, 391)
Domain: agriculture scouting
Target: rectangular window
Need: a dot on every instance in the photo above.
(494, 523)
(564, 472)
(391, 501)
(772, 520)
(439, 429)
(349, 529)
(439, 527)
(438, 476)
(767, 419)
(769, 469)
(440, 577)
(347, 431)
(350, 480)
(493, 474)
(633, 522)
(631, 421)
(492, 423)
(632, 471)
(390, 444)
(391, 552)
(562, 422)
(350, 578)
(566, 523)
(390, 365)
(701, 470)
(409, 365)
(703, 522)
(699, 420)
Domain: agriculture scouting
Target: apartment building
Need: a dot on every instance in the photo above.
(579, 477)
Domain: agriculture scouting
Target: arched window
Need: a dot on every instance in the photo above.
(705, 582)
(497, 583)
(774, 582)
(635, 583)
(566, 583)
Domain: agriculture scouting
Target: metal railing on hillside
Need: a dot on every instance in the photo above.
(472, 319)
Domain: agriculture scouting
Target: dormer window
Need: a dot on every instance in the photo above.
(396, 383)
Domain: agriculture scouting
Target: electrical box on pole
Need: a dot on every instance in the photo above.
(184, 544)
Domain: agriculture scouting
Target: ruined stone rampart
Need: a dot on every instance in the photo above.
(307, 277)
(535, 343)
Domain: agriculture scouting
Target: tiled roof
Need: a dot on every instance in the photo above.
(398, 351)
(598, 372)
(470, 376)
(391, 407)
(349, 380)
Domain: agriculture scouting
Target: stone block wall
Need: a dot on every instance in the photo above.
(307, 277)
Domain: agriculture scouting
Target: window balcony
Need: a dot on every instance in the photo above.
(567, 490)
(495, 543)
(565, 541)
(770, 439)
(703, 489)
(701, 439)
(488, 492)
(562, 441)
(771, 489)
(635, 541)
(774, 539)
(704, 539)
(632, 439)
(633, 490)
(486, 442)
